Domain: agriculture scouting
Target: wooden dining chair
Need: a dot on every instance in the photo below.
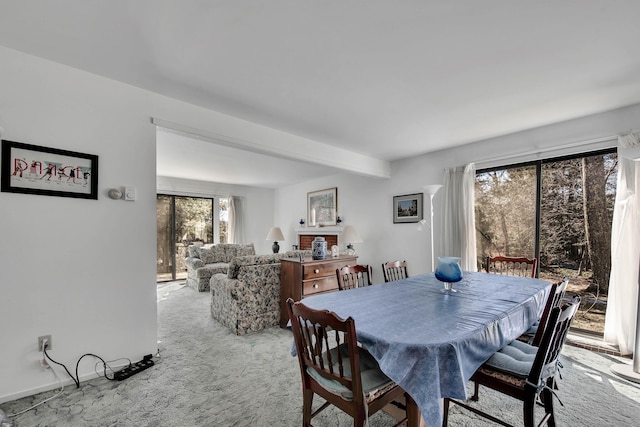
(525, 372)
(511, 266)
(335, 368)
(556, 296)
(353, 276)
(394, 270)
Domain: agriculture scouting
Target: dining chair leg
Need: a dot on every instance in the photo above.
(359, 419)
(476, 390)
(445, 412)
(307, 402)
(547, 398)
(528, 407)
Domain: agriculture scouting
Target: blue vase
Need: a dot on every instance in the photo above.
(448, 270)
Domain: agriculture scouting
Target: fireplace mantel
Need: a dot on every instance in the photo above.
(330, 233)
(332, 229)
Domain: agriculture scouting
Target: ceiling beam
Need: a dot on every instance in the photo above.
(293, 148)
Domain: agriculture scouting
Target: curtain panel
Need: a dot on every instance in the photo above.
(620, 321)
(236, 221)
(458, 216)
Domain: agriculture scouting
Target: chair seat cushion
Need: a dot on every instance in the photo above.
(487, 371)
(373, 379)
(523, 347)
(516, 358)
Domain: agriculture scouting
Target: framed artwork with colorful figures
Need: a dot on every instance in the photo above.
(32, 169)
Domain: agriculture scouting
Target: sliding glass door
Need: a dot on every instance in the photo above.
(559, 211)
(182, 221)
(506, 212)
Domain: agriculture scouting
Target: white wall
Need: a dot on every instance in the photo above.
(367, 203)
(80, 270)
(578, 135)
(84, 270)
(257, 203)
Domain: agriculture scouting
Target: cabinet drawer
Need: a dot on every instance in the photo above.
(323, 284)
(321, 270)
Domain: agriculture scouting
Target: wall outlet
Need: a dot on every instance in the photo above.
(41, 342)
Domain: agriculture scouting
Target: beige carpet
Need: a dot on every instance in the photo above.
(205, 376)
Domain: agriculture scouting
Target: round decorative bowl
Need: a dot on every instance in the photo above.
(448, 271)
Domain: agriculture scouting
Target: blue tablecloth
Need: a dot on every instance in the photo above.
(429, 340)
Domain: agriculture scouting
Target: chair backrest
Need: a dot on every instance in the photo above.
(353, 276)
(511, 266)
(545, 364)
(326, 344)
(394, 270)
(556, 296)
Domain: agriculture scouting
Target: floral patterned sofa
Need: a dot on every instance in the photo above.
(247, 298)
(206, 260)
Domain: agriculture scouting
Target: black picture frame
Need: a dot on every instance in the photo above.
(408, 208)
(45, 171)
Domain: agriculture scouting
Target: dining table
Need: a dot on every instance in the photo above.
(430, 340)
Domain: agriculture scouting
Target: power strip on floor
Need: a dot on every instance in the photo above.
(133, 369)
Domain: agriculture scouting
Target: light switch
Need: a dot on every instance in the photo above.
(130, 193)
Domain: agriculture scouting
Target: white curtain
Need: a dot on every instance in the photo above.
(620, 320)
(458, 216)
(236, 221)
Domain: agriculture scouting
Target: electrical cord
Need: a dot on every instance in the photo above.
(95, 367)
(44, 351)
(49, 398)
(76, 379)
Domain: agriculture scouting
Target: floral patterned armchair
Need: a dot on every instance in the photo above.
(247, 298)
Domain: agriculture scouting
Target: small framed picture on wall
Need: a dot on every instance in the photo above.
(407, 208)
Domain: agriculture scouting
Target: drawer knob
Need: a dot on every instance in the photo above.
(316, 271)
(315, 286)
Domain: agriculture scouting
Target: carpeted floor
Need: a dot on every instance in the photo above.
(205, 376)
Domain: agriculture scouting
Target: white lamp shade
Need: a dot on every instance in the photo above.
(350, 235)
(275, 234)
(432, 189)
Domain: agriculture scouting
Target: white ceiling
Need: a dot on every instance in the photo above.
(388, 79)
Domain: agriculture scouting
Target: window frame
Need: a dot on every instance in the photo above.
(538, 165)
(215, 202)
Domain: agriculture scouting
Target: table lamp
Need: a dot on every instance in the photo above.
(275, 234)
(350, 235)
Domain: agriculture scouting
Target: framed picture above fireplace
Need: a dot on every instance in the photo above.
(322, 207)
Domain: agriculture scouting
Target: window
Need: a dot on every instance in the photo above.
(182, 221)
(223, 220)
(505, 212)
(559, 211)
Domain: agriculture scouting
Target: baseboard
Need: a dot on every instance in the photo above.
(54, 385)
(592, 342)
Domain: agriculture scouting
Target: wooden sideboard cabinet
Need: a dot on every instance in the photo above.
(299, 279)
